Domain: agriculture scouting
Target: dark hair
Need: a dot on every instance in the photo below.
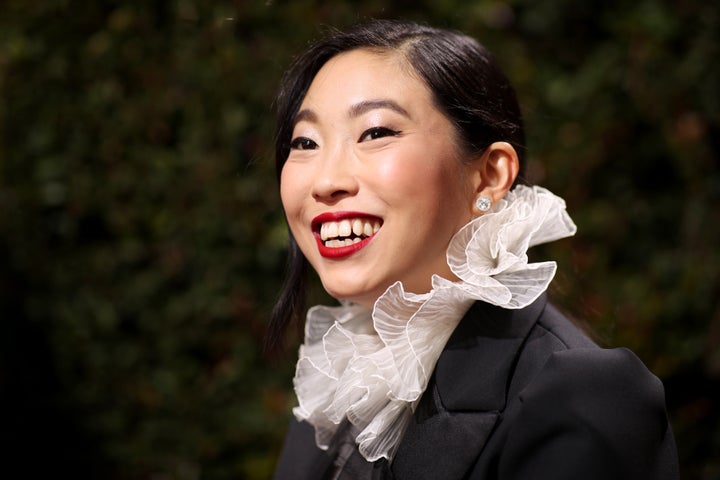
(466, 84)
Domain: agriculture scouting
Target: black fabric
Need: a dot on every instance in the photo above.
(521, 394)
(300, 458)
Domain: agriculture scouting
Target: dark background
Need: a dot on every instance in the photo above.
(142, 241)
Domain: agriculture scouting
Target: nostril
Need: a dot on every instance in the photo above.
(333, 191)
(331, 197)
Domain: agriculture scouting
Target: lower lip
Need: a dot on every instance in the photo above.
(340, 252)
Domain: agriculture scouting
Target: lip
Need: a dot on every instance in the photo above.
(339, 252)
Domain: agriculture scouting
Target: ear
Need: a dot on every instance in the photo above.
(494, 173)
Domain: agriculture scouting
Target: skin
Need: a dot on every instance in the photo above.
(369, 140)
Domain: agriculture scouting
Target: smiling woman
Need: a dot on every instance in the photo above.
(377, 154)
(399, 149)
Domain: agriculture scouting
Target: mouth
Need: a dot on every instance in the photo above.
(343, 233)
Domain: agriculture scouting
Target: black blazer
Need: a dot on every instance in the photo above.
(521, 394)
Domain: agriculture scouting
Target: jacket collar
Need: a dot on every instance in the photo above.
(474, 369)
(467, 394)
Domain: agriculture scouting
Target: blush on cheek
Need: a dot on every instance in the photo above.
(408, 175)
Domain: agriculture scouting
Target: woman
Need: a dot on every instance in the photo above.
(399, 149)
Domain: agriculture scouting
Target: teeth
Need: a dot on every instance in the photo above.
(342, 243)
(345, 228)
(359, 227)
(329, 230)
(367, 229)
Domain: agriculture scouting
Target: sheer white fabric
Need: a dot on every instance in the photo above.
(372, 367)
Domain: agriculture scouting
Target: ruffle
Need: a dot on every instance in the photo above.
(372, 367)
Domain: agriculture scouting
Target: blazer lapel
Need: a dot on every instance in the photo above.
(443, 445)
(467, 393)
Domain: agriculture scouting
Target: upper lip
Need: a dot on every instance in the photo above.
(337, 216)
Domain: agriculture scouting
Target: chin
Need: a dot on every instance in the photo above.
(360, 297)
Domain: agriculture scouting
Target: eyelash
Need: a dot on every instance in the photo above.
(378, 132)
(304, 143)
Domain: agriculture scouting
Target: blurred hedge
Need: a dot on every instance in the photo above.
(142, 241)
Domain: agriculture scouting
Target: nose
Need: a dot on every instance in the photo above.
(335, 177)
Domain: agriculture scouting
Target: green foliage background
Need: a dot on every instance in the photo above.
(142, 241)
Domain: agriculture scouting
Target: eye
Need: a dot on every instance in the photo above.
(377, 132)
(303, 143)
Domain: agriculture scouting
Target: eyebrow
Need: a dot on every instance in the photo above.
(367, 105)
(305, 115)
(356, 110)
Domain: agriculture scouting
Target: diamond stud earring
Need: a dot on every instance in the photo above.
(483, 203)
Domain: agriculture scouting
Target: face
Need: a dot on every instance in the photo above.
(373, 188)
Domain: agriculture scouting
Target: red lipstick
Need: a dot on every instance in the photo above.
(344, 251)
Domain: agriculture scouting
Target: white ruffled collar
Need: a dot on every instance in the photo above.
(372, 367)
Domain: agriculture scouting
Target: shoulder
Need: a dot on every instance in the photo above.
(570, 367)
(575, 410)
(592, 383)
(597, 413)
(567, 334)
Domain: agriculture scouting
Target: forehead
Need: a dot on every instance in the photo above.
(359, 75)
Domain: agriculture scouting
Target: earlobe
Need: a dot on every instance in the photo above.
(495, 172)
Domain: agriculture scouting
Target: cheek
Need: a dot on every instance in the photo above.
(422, 177)
(289, 191)
(293, 195)
(402, 176)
